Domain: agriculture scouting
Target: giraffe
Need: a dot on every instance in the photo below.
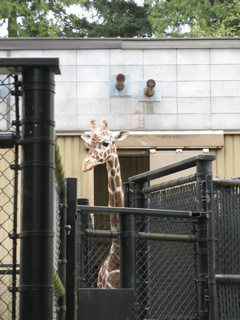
(102, 149)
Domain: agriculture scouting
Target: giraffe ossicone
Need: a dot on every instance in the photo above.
(102, 149)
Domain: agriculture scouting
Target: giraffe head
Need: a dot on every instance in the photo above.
(101, 142)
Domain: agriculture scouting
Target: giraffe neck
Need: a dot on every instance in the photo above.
(115, 190)
(109, 274)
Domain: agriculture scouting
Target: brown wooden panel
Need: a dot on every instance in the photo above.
(100, 186)
(130, 166)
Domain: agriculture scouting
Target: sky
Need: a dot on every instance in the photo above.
(74, 9)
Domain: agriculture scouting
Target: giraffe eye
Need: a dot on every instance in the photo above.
(105, 144)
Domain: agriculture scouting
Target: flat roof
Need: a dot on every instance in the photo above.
(17, 65)
(117, 43)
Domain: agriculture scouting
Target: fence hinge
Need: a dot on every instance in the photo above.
(13, 236)
(206, 299)
(16, 123)
(68, 229)
(62, 205)
(13, 289)
(61, 309)
(16, 93)
(62, 261)
(15, 167)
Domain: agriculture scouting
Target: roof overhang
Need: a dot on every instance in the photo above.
(117, 43)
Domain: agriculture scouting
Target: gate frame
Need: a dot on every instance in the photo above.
(206, 282)
(207, 293)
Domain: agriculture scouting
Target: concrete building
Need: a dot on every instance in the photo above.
(195, 108)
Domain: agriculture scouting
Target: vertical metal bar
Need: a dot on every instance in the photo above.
(195, 250)
(213, 315)
(71, 283)
(126, 190)
(202, 257)
(127, 247)
(15, 210)
(36, 254)
(80, 255)
(62, 262)
(142, 297)
(206, 250)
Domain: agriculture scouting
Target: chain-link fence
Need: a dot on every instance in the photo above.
(9, 159)
(227, 222)
(10, 141)
(173, 276)
(166, 271)
(95, 250)
(57, 241)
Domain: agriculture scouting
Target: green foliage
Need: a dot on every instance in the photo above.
(227, 24)
(195, 18)
(34, 18)
(116, 18)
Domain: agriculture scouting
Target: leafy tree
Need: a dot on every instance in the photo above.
(227, 23)
(34, 18)
(178, 18)
(116, 18)
(50, 18)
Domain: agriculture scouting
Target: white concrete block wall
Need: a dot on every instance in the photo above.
(225, 88)
(200, 88)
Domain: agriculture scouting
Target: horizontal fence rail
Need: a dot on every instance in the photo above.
(170, 184)
(140, 211)
(228, 277)
(167, 237)
(141, 235)
(172, 168)
(227, 182)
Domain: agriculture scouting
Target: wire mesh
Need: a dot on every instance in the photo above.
(227, 226)
(9, 265)
(166, 271)
(57, 227)
(96, 249)
(9, 256)
(165, 276)
(56, 241)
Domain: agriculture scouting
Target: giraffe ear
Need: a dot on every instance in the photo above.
(86, 137)
(120, 136)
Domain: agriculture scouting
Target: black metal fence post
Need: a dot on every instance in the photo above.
(71, 281)
(62, 262)
(17, 93)
(81, 221)
(212, 287)
(36, 270)
(127, 247)
(141, 305)
(207, 307)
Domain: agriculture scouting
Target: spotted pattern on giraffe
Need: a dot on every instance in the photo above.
(102, 149)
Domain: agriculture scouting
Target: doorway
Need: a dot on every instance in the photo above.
(131, 163)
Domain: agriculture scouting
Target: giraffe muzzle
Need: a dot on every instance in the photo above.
(88, 164)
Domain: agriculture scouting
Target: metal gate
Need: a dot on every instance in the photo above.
(185, 238)
(227, 225)
(178, 272)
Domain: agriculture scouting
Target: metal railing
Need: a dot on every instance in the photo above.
(167, 243)
(227, 224)
(184, 286)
